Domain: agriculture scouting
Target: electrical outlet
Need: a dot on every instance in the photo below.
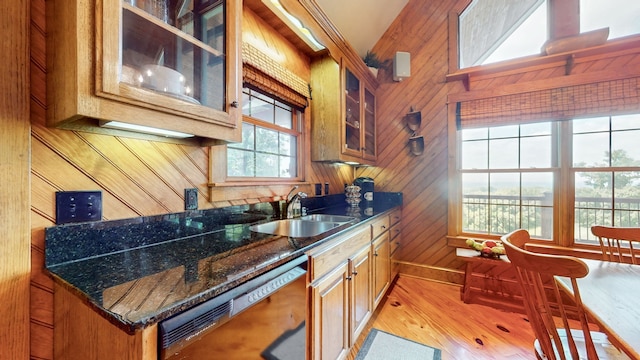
(78, 206)
(190, 199)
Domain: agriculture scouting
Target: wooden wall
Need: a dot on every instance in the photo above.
(422, 30)
(14, 180)
(136, 177)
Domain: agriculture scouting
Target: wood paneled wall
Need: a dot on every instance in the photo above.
(422, 30)
(136, 177)
(14, 181)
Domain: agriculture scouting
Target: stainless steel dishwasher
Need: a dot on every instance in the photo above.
(258, 319)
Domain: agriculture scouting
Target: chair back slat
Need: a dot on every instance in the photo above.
(543, 300)
(617, 243)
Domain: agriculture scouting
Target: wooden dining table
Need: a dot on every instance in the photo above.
(611, 296)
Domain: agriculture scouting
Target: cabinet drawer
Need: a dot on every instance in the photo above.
(379, 226)
(329, 256)
(395, 217)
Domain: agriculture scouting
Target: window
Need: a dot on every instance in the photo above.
(271, 136)
(606, 164)
(507, 179)
(512, 176)
(491, 30)
(506, 28)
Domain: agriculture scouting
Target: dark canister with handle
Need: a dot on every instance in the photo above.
(366, 189)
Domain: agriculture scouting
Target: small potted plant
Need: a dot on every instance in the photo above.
(372, 61)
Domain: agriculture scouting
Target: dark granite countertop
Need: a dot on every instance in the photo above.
(136, 272)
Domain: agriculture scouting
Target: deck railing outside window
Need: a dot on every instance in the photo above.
(502, 214)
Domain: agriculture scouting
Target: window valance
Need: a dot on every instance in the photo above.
(262, 73)
(571, 102)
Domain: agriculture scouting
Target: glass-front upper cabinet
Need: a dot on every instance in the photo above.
(360, 118)
(369, 108)
(343, 111)
(352, 124)
(171, 64)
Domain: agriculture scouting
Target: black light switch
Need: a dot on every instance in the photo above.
(78, 206)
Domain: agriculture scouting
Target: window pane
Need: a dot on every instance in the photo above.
(266, 165)
(592, 202)
(625, 150)
(266, 140)
(606, 198)
(627, 198)
(288, 144)
(246, 103)
(541, 128)
(261, 110)
(240, 162)
(511, 20)
(591, 150)
(503, 154)
(475, 155)
(535, 152)
(247, 138)
(625, 122)
(590, 125)
(475, 202)
(474, 134)
(621, 16)
(504, 205)
(537, 204)
(504, 131)
(283, 118)
(288, 166)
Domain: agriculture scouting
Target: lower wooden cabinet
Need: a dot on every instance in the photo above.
(395, 241)
(381, 267)
(360, 305)
(341, 299)
(330, 315)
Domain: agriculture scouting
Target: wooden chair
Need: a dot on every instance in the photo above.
(542, 300)
(617, 243)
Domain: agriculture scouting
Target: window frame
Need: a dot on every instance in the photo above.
(553, 169)
(297, 130)
(564, 187)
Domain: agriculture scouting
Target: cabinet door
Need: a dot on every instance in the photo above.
(369, 129)
(361, 302)
(330, 315)
(381, 266)
(352, 123)
(181, 60)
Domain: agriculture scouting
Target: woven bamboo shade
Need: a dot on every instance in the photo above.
(571, 102)
(261, 72)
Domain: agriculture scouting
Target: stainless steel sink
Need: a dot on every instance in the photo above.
(327, 217)
(295, 227)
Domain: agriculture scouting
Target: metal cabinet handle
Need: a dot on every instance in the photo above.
(354, 273)
(235, 104)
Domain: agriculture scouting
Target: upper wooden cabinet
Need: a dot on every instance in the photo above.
(135, 62)
(343, 114)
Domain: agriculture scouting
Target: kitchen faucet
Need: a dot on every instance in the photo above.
(292, 204)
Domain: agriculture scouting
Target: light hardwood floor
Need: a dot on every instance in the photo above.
(432, 313)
